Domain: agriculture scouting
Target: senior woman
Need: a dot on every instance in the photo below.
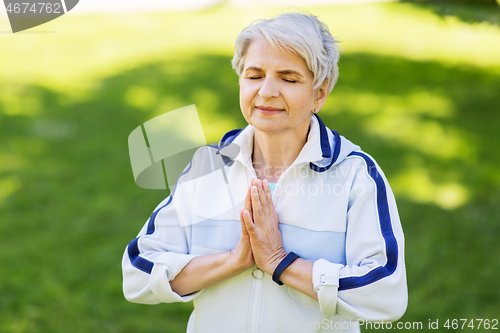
(307, 238)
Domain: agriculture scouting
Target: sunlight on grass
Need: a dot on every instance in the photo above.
(427, 136)
(156, 100)
(141, 97)
(167, 104)
(17, 100)
(208, 104)
(418, 102)
(408, 31)
(207, 99)
(451, 195)
(92, 46)
(412, 121)
(9, 184)
(8, 187)
(420, 122)
(416, 184)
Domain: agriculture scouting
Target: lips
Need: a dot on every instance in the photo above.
(268, 109)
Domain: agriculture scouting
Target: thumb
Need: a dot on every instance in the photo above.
(244, 230)
(247, 220)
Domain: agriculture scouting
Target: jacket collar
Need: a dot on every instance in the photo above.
(317, 147)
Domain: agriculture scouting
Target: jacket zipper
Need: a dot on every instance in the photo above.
(255, 305)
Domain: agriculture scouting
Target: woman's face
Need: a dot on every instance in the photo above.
(276, 89)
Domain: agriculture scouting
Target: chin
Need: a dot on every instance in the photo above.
(268, 128)
(267, 123)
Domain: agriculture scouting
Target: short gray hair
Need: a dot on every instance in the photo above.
(301, 33)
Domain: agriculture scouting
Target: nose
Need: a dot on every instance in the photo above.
(269, 88)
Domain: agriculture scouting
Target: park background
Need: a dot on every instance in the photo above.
(419, 90)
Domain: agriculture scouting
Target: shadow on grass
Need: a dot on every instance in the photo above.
(69, 203)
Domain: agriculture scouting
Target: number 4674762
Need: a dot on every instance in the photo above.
(473, 323)
(35, 8)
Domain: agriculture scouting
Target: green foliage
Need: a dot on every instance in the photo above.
(470, 11)
(69, 205)
(468, 2)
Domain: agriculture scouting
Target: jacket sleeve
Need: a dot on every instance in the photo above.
(160, 251)
(372, 284)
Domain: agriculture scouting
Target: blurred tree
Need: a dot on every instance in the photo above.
(474, 2)
(470, 11)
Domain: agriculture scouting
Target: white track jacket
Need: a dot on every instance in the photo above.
(335, 208)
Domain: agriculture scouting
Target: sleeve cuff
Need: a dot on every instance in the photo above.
(326, 284)
(165, 269)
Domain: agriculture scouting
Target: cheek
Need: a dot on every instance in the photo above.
(309, 97)
(242, 98)
(245, 102)
(301, 99)
(246, 96)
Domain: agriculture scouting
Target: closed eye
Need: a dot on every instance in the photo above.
(289, 80)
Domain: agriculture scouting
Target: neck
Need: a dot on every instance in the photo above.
(273, 153)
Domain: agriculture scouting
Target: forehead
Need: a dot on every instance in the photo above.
(267, 56)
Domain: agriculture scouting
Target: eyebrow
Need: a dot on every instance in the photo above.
(286, 71)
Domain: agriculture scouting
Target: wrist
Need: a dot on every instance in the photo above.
(282, 266)
(271, 267)
(235, 264)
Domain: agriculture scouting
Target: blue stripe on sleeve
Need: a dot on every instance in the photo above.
(391, 245)
(133, 247)
(135, 258)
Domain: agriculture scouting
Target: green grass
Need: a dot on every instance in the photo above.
(418, 91)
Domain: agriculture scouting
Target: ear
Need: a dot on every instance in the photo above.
(321, 95)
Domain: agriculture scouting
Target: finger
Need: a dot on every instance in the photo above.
(248, 200)
(262, 197)
(269, 198)
(244, 230)
(248, 222)
(256, 206)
